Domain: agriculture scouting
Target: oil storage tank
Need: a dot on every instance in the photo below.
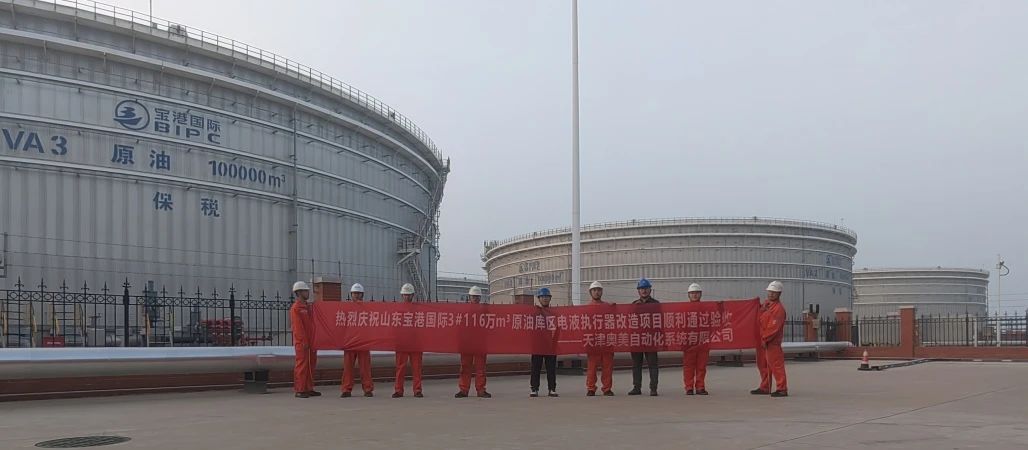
(138, 149)
(729, 257)
(937, 291)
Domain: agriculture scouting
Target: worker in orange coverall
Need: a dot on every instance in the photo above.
(415, 358)
(604, 359)
(301, 322)
(361, 357)
(472, 361)
(770, 358)
(694, 359)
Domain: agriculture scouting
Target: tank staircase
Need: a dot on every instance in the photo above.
(410, 247)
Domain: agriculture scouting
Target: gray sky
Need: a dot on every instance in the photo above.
(905, 121)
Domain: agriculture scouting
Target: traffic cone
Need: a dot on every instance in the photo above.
(864, 363)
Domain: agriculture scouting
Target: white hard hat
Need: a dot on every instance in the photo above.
(300, 286)
(775, 286)
(595, 285)
(695, 288)
(475, 290)
(407, 289)
(357, 288)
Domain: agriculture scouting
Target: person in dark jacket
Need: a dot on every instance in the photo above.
(544, 297)
(645, 289)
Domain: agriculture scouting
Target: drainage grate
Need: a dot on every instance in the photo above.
(83, 441)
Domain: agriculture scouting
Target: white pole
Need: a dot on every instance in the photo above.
(576, 211)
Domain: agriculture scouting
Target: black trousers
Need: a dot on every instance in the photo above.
(637, 369)
(551, 371)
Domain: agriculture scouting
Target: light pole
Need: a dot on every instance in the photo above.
(1000, 267)
(576, 212)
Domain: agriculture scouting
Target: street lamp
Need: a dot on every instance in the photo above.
(1000, 268)
(576, 211)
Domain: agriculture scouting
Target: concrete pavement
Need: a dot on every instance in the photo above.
(832, 405)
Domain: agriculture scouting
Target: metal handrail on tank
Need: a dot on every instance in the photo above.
(872, 270)
(676, 221)
(156, 26)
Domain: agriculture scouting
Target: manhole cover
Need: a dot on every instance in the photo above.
(83, 441)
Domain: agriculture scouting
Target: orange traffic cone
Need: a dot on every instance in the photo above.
(864, 363)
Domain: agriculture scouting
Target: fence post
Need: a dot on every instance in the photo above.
(232, 313)
(908, 331)
(125, 311)
(843, 325)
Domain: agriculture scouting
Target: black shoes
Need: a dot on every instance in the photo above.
(485, 394)
(460, 394)
(553, 394)
(314, 393)
(533, 394)
(702, 392)
(653, 392)
(302, 395)
(690, 392)
(419, 395)
(590, 393)
(397, 395)
(759, 391)
(635, 391)
(369, 394)
(346, 394)
(608, 394)
(780, 394)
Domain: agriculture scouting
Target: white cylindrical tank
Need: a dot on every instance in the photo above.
(135, 149)
(730, 258)
(932, 291)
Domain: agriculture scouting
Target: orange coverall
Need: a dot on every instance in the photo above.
(401, 370)
(469, 362)
(694, 366)
(770, 358)
(604, 359)
(363, 359)
(300, 319)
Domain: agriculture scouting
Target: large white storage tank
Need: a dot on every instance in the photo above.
(134, 148)
(932, 291)
(731, 258)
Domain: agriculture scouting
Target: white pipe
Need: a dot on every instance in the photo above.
(28, 363)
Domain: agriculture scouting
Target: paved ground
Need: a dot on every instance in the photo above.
(930, 406)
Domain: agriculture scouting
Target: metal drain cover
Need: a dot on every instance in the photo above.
(83, 441)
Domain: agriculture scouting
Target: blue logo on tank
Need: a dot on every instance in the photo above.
(132, 115)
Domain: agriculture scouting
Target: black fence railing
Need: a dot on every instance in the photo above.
(121, 317)
(106, 317)
(932, 331)
(981, 331)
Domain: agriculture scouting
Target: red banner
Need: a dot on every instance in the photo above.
(524, 329)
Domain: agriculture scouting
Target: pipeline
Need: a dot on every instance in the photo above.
(32, 363)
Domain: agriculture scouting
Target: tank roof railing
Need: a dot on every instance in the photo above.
(166, 29)
(873, 270)
(677, 221)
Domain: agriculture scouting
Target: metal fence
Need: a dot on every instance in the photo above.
(977, 331)
(121, 317)
(104, 317)
(932, 331)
